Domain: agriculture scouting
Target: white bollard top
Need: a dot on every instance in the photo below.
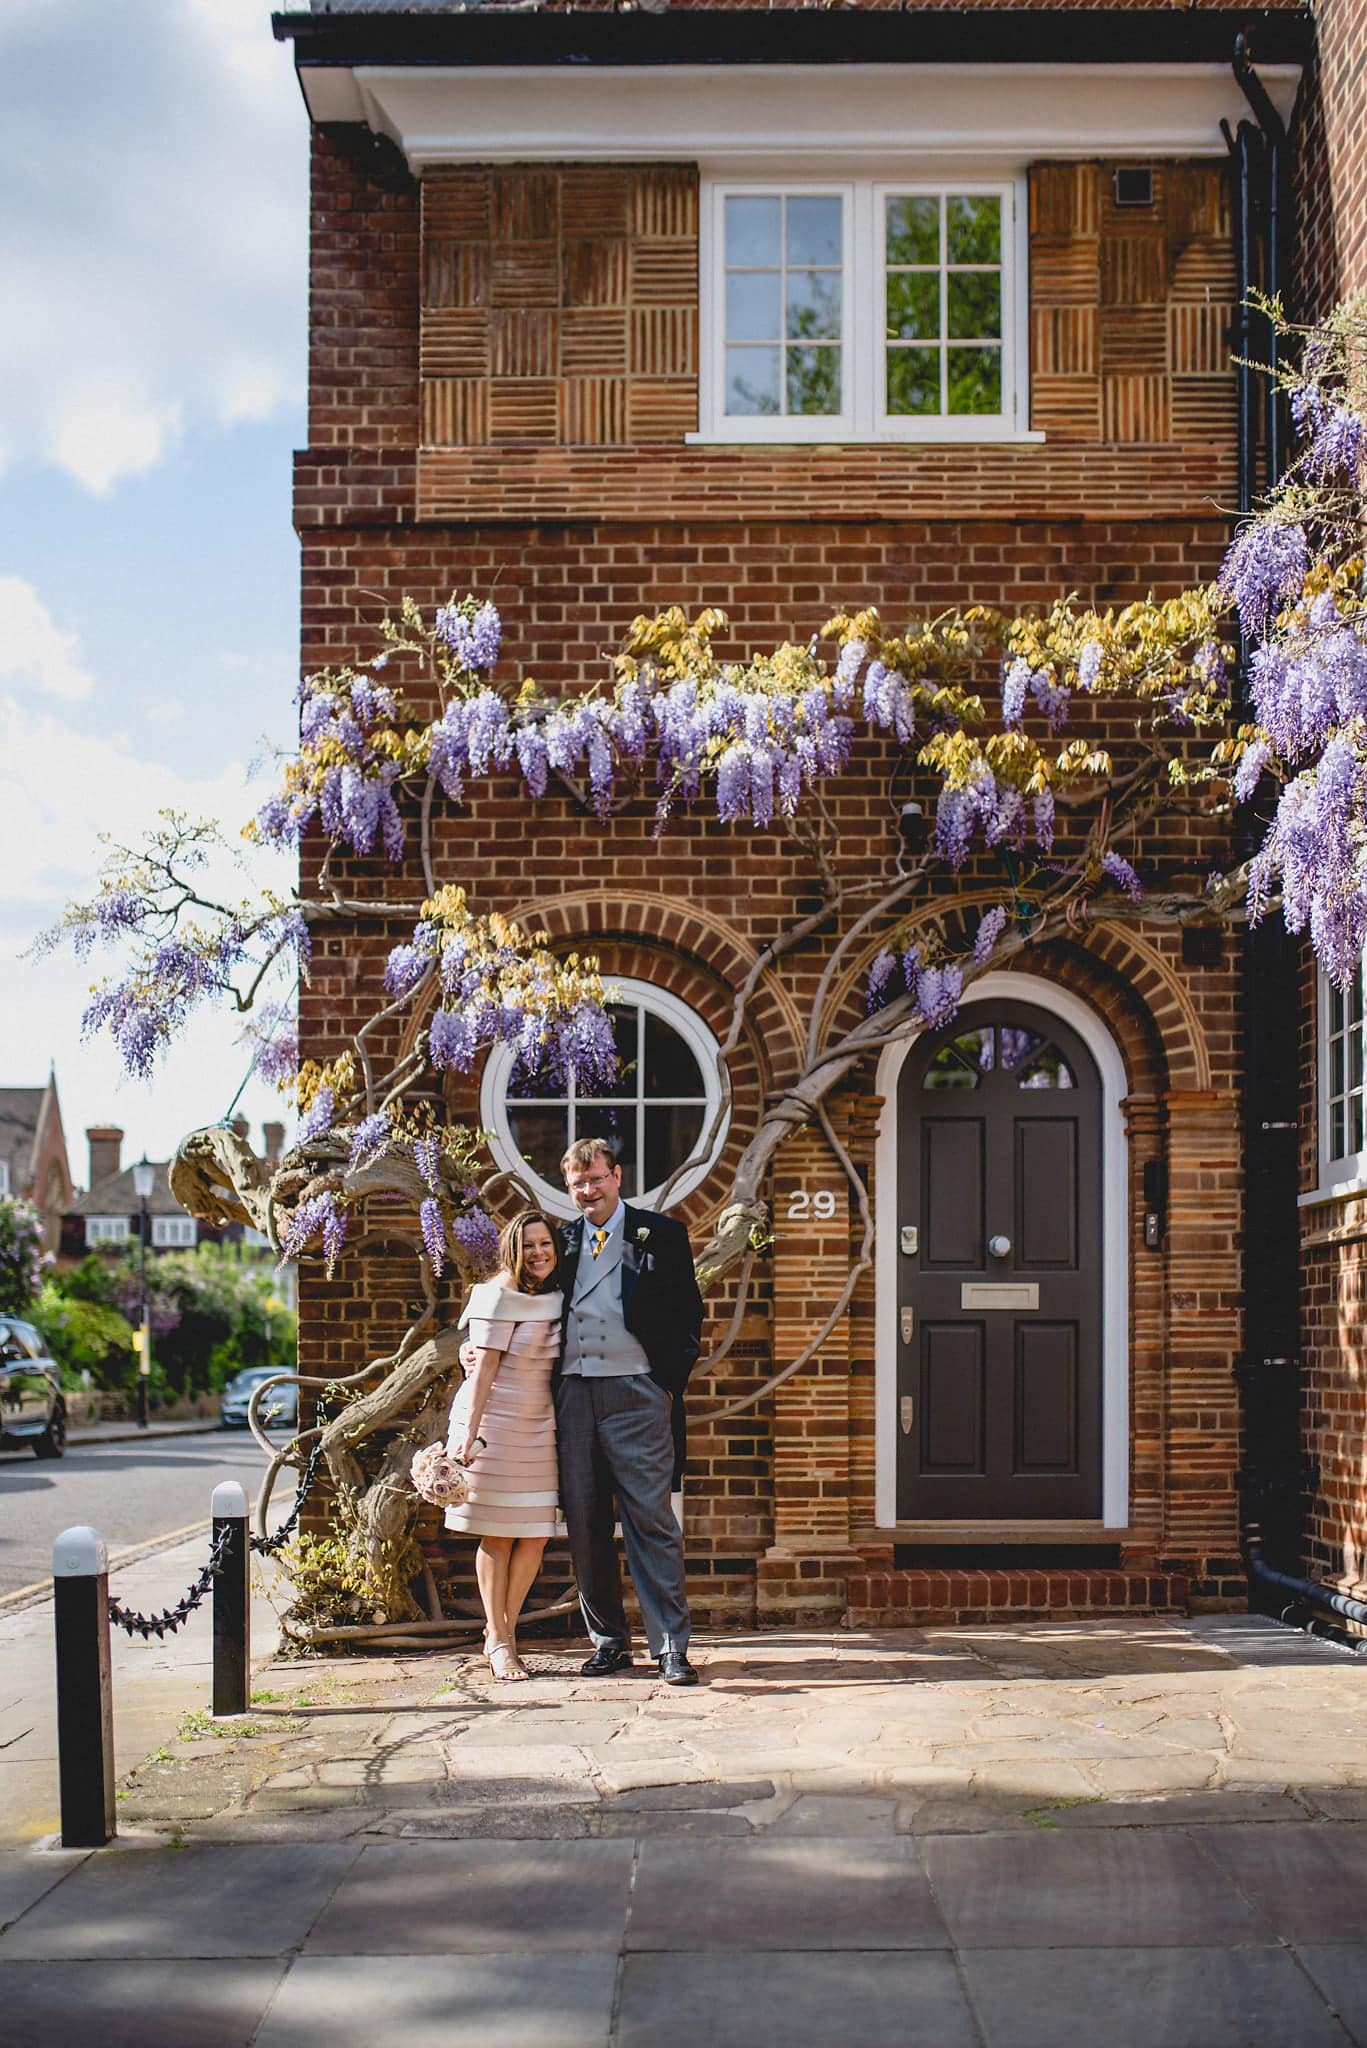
(79, 1553)
(228, 1501)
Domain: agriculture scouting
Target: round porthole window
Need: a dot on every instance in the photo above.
(655, 1115)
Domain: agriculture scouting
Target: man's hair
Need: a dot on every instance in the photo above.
(582, 1154)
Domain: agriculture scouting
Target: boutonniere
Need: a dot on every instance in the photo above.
(643, 1235)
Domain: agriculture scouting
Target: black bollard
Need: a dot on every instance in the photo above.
(232, 1601)
(85, 1695)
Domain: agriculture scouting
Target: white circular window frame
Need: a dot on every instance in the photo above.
(498, 1068)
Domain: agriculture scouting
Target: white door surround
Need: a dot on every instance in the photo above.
(1115, 1264)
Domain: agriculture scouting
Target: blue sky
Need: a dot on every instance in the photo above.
(152, 234)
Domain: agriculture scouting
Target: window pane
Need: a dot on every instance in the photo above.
(1336, 1066)
(813, 231)
(752, 231)
(752, 380)
(624, 1033)
(975, 380)
(1355, 1058)
(616, 1125)
(541, 1137)
(671, 1135)
(913, 231)
(1355, 1143)
(813, 305)
(670, 1066)
(974, 229)
(753, 300)
(813, 380)
(1018, 1044)
(975, 304)
(913, 380)
(914, 305)
(1050, 1070)
(958, 1064)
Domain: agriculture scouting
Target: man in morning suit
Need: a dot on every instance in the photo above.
(631, 1335)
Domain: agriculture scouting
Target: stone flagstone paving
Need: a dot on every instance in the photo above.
(1139, 1834)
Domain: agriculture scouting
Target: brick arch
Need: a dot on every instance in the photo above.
(645, 917)
(701, 959)
(1121, 974)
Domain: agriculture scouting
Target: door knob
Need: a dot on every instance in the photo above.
(999, 1246)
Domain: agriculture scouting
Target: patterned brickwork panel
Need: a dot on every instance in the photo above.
(559, 305)
(1131, 306)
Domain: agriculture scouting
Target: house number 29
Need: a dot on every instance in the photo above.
(819, 1203)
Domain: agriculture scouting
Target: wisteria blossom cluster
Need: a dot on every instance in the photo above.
(21, 1254)
(1296, 575)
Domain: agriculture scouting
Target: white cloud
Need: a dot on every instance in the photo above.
(152, 229)
(63, 782)
(34, 649)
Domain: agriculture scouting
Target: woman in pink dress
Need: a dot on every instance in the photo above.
(503, 1429)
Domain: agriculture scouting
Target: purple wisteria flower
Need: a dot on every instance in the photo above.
(315, 1218)
(452, 1041)
(370, 1139)
(853, 655)
(1015, 685)
(880, 980)
(1265, 562)
(1118, 868)
(1089, 665)
(427, 1159)
(1315, 845)
(318, 1122)
(990, 928)
(1249, 772)
(277, 1055)
(473, 634)
(433, 1233)
(477, 1234)
(1337, 445)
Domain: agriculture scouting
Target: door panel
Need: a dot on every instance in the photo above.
(954, 1355)
(1046, 1193)
(952, 1153)
(1046, 1397)
(999, 1142)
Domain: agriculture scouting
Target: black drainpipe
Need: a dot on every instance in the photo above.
(1276, 1474)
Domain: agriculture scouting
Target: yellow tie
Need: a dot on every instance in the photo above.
(600, 1238)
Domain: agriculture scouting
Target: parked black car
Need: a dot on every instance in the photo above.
(280, 1405)
(32, 1411)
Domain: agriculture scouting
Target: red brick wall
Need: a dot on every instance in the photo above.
(574, 541)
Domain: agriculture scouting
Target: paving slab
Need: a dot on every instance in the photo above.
(783, 1895)
(206, 2004)
(201, 1900)
(25, 1877)
(1255, 1997)
(461, 1898)
(1310, 1882)
(509, 2001)
(794, 2001)
(1340, 1970)
(1124, 1888)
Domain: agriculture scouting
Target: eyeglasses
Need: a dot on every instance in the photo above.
(590, 1180)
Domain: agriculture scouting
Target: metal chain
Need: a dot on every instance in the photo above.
(267, 1546)
(170, 1620)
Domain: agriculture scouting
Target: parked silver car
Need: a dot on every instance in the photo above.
(281, 1405)
(32, 1411)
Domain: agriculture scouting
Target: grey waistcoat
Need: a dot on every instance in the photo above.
(598, 1344)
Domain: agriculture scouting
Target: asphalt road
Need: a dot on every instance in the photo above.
(131, 1492)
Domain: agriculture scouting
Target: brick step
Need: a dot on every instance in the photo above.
(882, 1598)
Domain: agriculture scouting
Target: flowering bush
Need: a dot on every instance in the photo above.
(21, 1254)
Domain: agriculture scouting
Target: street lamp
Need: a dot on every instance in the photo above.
(144, 1176)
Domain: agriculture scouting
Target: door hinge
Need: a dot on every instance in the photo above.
(911, 1240)
(907, 1408)
(908, 1323)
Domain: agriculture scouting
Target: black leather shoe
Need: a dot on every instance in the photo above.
(604, 1662)
(675, 1669)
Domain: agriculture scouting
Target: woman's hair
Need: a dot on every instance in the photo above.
(511, 1255)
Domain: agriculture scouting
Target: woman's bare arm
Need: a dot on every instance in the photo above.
(481, 1382)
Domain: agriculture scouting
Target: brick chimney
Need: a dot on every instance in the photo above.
(241, 1126)
(273, 1137)
(106, 1146)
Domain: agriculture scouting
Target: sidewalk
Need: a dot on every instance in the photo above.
(1117, 1835)
(128, 1432)
(155, 1683)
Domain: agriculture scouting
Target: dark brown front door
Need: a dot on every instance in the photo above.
(999, 1271)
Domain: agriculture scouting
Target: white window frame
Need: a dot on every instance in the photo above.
(106, 1230)
(174, 1233)
(670, 1010)
(1347, 1172)
(4, 1176)
(864, 416)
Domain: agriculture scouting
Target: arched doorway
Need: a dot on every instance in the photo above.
(1002, 1361)
(999, 1295)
